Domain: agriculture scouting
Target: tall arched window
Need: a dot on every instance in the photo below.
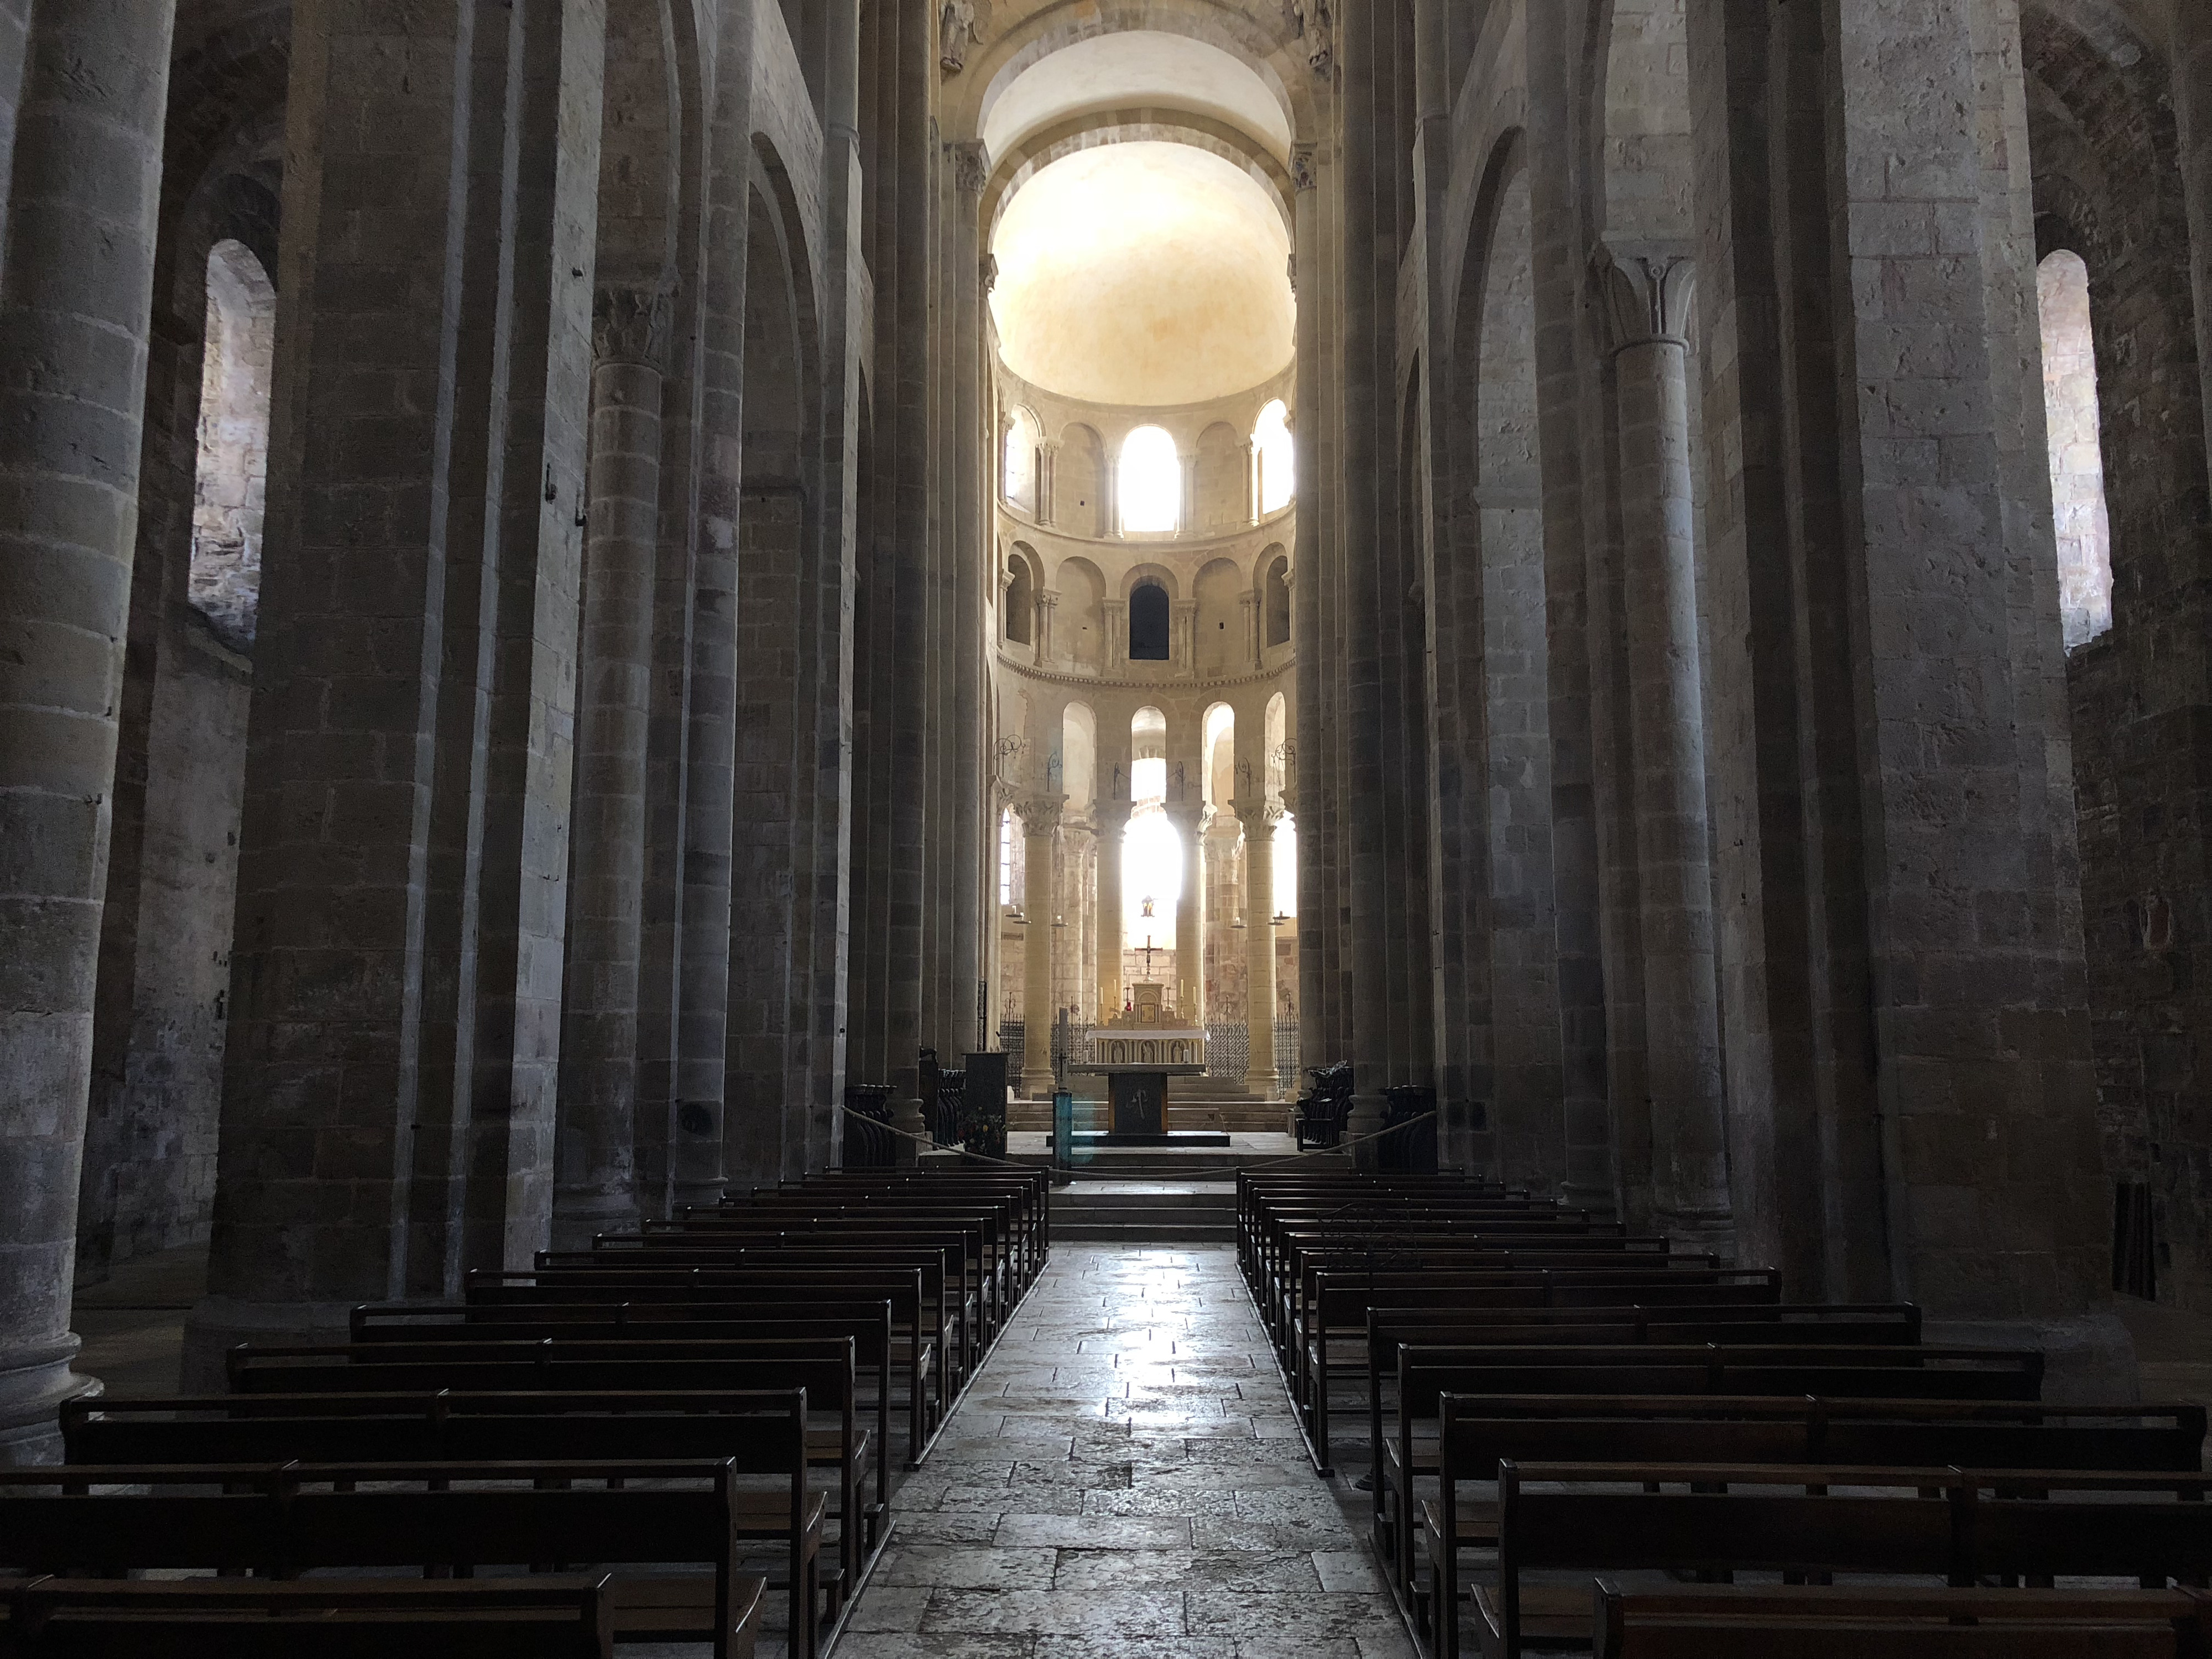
(1011, 874)
(1023, 436)
(1021, 601)
(1151, 482)
(1148, 624)
(230, 486)
(1278, 458)
(2077, 456)
(1275, 601)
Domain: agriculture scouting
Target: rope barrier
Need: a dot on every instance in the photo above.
(930, 1141)
(1341, 1146)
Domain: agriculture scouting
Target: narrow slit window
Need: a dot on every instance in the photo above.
(2079, 515)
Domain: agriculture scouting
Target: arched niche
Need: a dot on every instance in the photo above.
(1019, 622)
(1080, 632)
(1224, 478)
(1219, 646)
(1080, 482)
(1151, 623)
(1274, 596)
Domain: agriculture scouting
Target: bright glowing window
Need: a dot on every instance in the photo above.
(1022, 437)
(1008, 842)
(1278, 458)
(2077, 456)
(1287, 867)
(1152, 872)
(1151, 482)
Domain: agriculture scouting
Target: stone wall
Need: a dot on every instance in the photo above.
(2108, 188)
(150, 1140)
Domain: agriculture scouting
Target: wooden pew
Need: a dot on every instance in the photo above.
(1822, 1622)
(1945, 1525)
(1630, 1324)
(918, 1318)
(283, 1520)
(1481, 1431)
(868, 1324)
(1427, 1374)
(1334, 1296)
(755, 1431)
(1025, 1204)
(998, 1255)
(956, 1316)
(962, 1249)
(554, 1616)
(1332, 1302)
(825, 1368)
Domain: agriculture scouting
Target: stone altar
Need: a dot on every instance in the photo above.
(1137, 1053)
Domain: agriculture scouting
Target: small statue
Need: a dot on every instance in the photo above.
(1312, 17)
(956, 28)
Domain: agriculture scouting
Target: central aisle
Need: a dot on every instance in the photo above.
(1125, 1480)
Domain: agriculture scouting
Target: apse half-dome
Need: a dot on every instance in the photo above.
(1144, 275)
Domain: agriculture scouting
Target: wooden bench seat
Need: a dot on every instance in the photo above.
(1828, 1622)
(918, 1320)
(1632, 1325)
(1946, 1526)
(648, 1521)
(756, 1433)
(867, 1323)
(1480, 1432)
(1427, 1374)
(554, 1616)
(824, 1367)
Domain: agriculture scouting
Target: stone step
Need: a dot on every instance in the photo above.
(1247, 1117)
(1077, 1197)
(1134, 1234)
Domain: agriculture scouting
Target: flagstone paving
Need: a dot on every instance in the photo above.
(1125, 1480)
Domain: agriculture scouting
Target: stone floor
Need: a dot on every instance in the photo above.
(1125, 1480)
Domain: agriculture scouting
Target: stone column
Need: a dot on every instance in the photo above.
(1117, 636)
(75, 299)
(2192, 108)
(1047, 606)
(1048, 486)
(1649, 295)
(595, 1147)
(1112, 819)
(1191, 819)
(968, 845)
(1183, 640)
(1260, 819)
(1040, 832)
(322, 1076)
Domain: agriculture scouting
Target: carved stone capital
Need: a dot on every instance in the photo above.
(631, 322)
(1259, 818)
(1305, 173)
(1188, 815)
(971, 167)
(990, 272)
(1110, 818)
(1039, 815)
(1647, 294)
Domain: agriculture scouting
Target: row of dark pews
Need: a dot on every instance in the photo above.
(659, 1438)
(1580, 1438)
